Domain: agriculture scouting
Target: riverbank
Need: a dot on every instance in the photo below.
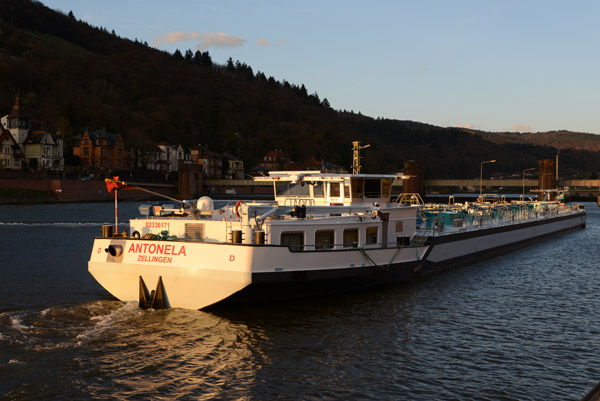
(45, 190)
(58, 191)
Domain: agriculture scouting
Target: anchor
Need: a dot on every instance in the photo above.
(156, 299)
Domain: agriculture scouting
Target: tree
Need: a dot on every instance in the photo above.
(197, 60)
(189, 56)
(177, 55)
(230, 67)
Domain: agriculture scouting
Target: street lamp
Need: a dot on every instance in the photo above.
(481, 174)
(527, 169)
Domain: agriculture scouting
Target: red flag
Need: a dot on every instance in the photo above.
(114, 183)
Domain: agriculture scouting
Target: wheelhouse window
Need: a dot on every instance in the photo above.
(350, 237)
(295, 240)
(371, 237)
(318, 189)
(372, 188)
(324, 239)
(289, 189)
(357, 188)
(386, 187)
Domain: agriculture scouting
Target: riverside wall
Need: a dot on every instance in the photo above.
(57, 190)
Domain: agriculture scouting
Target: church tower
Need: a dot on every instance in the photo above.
(17, 122)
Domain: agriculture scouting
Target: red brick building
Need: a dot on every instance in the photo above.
(101, 150)
(275, 160)
(211, 162)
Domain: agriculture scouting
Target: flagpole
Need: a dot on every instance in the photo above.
(116, 218)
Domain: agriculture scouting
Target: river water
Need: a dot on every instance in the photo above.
(523, 326)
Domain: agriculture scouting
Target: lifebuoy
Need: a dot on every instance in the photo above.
(237, 206)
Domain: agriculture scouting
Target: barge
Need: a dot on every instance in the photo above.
(323, 234)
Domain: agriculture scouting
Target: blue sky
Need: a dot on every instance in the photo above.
(524, 66)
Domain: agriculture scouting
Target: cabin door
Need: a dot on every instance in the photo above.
(335, 193)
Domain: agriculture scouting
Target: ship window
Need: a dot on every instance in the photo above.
(347, 191)
(350, 237)
(373, 188)
(294, 240)
(357, 188)
(403, 241)
(371, 235)
(334, 190)
(324, 239)
(399, 226)
(318, 189)
(289, 189)
(386, 188)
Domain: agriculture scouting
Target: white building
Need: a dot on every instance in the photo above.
(166, 157)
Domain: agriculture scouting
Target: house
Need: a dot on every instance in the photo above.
(211, 162)
(275, 160)
(17, 122)
(259, 171)
(165, 157)
(11, 155)
(235, 169)
(40, 149)
(45, 148)
(101, 150)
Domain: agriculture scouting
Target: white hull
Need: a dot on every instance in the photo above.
(209, 273)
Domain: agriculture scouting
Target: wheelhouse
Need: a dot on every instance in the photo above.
(310, 188)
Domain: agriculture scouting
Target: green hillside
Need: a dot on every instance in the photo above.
(72, 76)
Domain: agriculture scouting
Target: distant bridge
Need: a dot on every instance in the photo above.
(512, 183)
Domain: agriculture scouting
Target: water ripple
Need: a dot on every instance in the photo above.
(518, 327)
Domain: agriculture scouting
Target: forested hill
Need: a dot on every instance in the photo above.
(72, 76)
(556, 139)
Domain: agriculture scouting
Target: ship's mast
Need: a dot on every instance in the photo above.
(356, 148)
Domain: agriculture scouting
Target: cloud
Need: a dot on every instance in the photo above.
(206, 40)
(266, 42)
(521, 128)
(467, 126)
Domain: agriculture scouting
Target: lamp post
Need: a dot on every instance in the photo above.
(527, 169)
(481, 175)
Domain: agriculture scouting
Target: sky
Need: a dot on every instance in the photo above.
(491, 65)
